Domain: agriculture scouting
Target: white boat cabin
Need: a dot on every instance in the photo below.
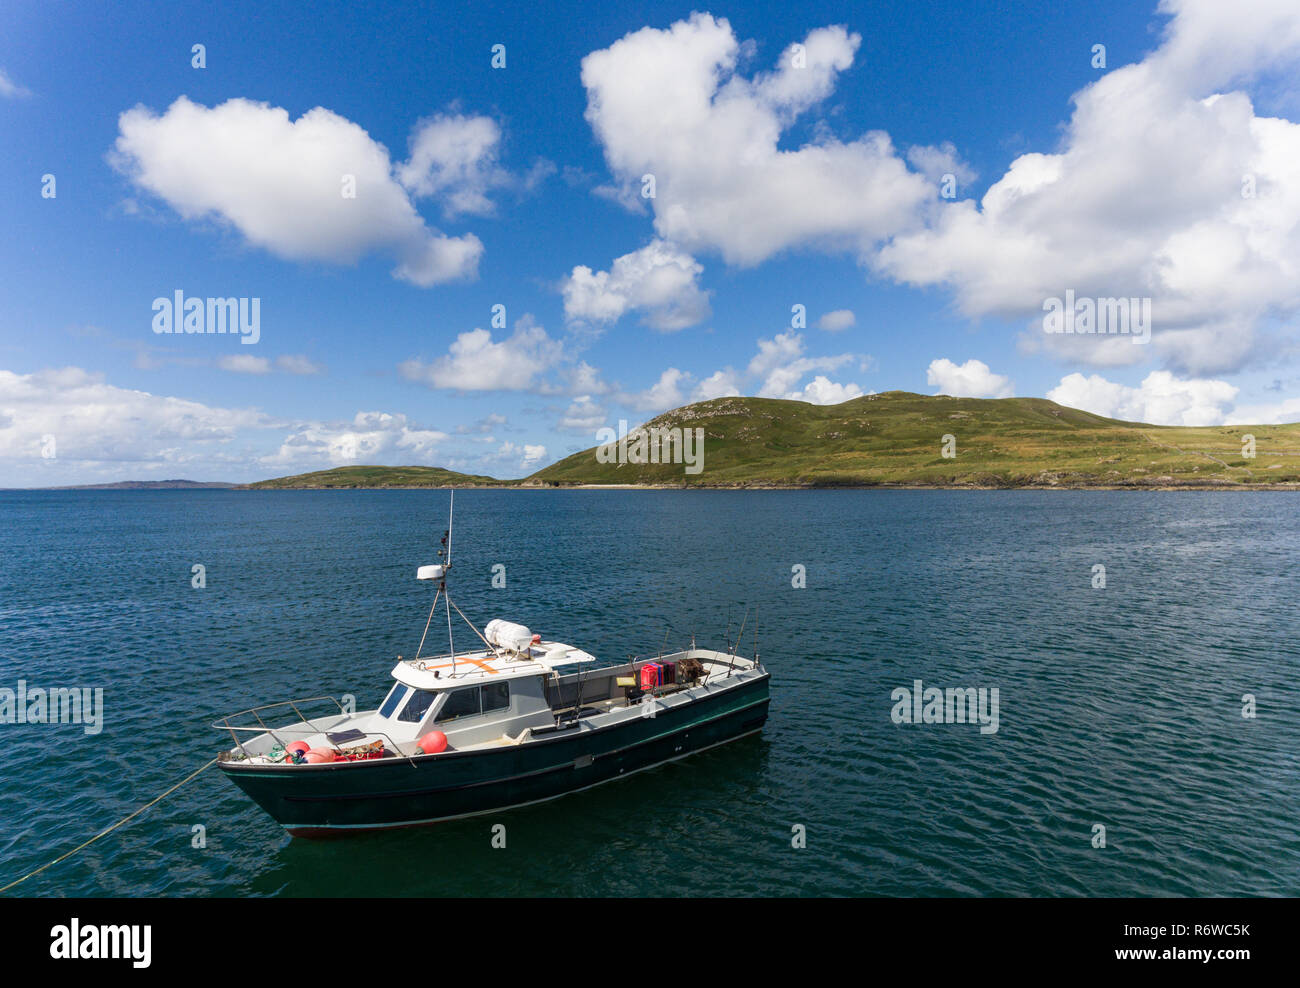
(518, 687)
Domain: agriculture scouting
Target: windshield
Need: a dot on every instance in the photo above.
(417, 707)
(395, 696)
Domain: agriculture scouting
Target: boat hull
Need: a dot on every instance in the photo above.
(332, 799)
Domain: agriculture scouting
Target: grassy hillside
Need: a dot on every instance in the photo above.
(896, 438)
(343, 477)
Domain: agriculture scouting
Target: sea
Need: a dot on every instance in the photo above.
(1141, 651)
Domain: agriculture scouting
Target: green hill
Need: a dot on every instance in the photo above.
(896, 439)
(371, 476)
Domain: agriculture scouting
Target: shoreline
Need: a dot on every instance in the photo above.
(796, 487)
(244, 488)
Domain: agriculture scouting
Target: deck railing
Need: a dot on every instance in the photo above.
(224, 724)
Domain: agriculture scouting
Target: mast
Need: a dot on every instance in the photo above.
(446, 541)
(439, 572)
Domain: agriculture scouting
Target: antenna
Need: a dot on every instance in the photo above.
(741, 634)
(451, 642)
(439, 572)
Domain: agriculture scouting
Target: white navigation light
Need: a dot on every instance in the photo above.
(505, 634)
(430, 572)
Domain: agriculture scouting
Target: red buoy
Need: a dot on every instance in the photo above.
(316, 755)
(433, 742)
(301, 747)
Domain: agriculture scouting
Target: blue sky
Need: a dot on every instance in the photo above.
(785, 176)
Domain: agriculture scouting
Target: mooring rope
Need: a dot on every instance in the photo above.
(119, 823)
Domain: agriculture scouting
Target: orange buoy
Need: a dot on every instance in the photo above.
(317, 755)
(301, 747)
(433, 742)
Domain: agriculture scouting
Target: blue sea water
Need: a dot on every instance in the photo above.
(1120, 707)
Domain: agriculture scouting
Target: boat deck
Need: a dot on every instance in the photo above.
(582, 699)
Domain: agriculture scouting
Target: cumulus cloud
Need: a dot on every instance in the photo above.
(582, 378)
(455, 158)
(518, 457)
(671, 103)
(69, 426)
(781, 364)
(93, 424)
(676, 387)
(972, 379)
(583, 415)
(1166, 184)
(371, 437)
(837, 321)
(823, 391)
(280, 183)
(665, 393)
(776, 371)
(937, 162)
(659, 281)
(1161, 398)
(719, 384)
(477, 362)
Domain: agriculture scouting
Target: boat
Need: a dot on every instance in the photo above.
(515, 720)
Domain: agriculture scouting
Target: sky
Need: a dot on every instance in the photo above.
(473, 236)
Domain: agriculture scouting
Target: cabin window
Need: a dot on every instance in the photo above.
(496, 696)
(459, 703)
(395, 697)
(416, 707)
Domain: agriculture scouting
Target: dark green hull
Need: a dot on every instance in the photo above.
(315, 800)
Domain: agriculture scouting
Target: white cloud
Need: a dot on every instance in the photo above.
(1272, 413)
(719, 384)
(10, 89)
(972, 379)
(937, 162)
(486, 425)
(823, 391)
(665, 393)
(476, 362)
(837, 321)
(583, 415)
(280, 183)
(371, 437)
(297, 363)
(91, 431)
(454, 158)
(781, 364)
(1161, 398)
(518, 458)
(1144, 198)
(777, 368)
(670, 103)
(244, 363)
(582, 378)
(247, 363)
(95, 425)
(659, 281)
